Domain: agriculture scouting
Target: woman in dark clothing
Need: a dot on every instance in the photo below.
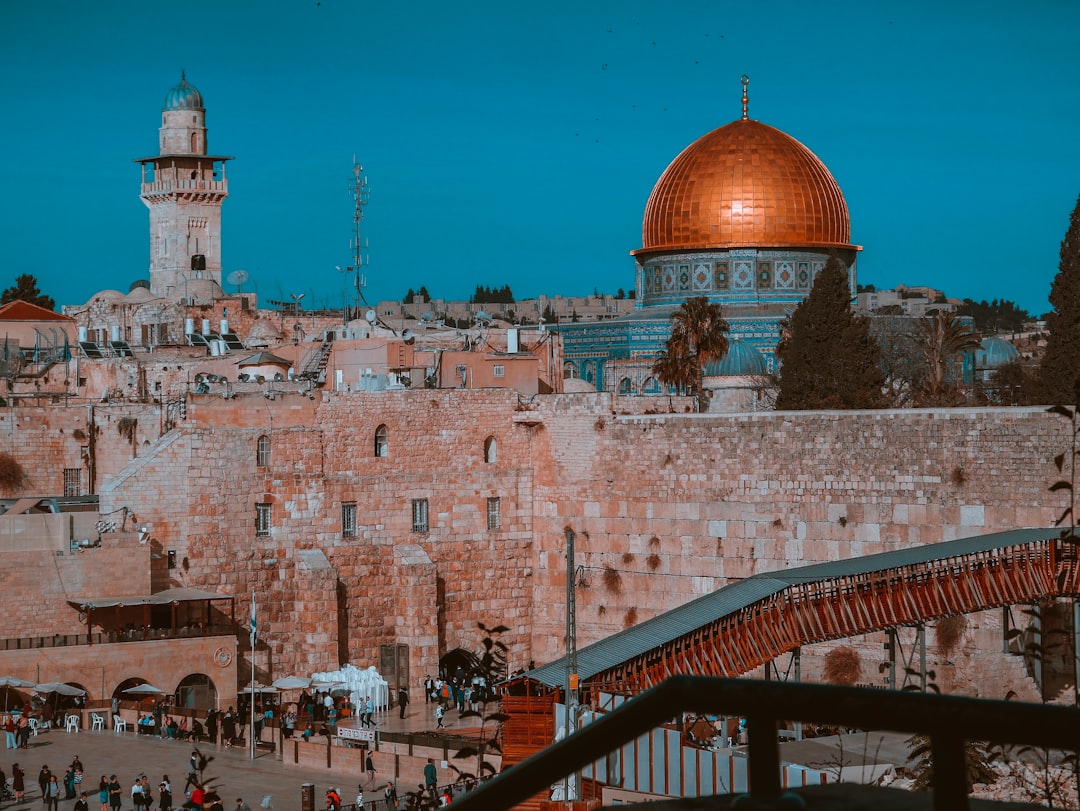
(18, 784)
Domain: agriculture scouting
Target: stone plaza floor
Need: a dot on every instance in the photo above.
(232, 770)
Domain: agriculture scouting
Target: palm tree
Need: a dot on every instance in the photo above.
(943, 337)
(698, 336)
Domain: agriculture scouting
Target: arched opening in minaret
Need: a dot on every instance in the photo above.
(194, 142)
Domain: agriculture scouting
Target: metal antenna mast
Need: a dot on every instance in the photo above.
(360, 194)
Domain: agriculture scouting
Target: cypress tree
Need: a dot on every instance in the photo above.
(1059, 373)
(830, 359)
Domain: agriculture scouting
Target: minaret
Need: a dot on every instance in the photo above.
(184, 187)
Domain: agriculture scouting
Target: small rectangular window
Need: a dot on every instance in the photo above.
(498, 370)
(348, 519)
(73, 481)
(419, 515)
(262, 519)
(493, 513)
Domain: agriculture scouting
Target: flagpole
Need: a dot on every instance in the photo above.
(251, 696)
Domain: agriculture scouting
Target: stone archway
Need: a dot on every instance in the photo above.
(196, 691)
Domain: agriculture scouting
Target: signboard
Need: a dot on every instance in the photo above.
(573, 681)
(354, 734)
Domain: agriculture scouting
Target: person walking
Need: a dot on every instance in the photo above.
(137, 795)
(43, 783)
(18, 782)
(192, 770)
(403, 701)
(164, 796)
(439, 713)
(52, 794)
(114, 793)
(431, 776)
(369, 766)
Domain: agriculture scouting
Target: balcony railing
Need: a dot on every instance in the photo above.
(167, 186)
(112, 637)
(948, 721)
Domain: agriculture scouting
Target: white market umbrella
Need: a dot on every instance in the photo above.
(292, 683)
(8, 682)
(59, 688)
(145, 690)
(11, 681)
(258, 688)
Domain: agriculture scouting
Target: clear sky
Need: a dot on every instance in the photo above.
(517, 143)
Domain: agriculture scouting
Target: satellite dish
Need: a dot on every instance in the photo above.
(369, 316)
(409, 337)
(237, 277)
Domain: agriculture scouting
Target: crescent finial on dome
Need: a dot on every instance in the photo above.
(745, 98)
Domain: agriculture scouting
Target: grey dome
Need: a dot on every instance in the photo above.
(741, 359)
(184, 96)
(995, 352)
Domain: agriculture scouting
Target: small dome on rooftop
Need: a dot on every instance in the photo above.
(184, 96)
(995, 352)
(741, 359)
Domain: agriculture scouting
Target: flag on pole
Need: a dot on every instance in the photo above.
(254, 632)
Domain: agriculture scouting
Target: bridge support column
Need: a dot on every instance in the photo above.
(1076, 650)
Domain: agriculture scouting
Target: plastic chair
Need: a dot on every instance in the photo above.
(97, 722)
(33, 722)
(71, 723)
(118, 725)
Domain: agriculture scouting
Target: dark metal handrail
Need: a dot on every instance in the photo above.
(948, 721)
(113, 637)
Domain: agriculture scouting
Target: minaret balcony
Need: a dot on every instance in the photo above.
(171, 186)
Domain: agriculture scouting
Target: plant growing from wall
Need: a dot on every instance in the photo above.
(12, 474)
(950, 631)
(630, 618)
(653, 562)
(612, 580)
(843, 666)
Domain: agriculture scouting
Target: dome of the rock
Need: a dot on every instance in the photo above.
(745, 184)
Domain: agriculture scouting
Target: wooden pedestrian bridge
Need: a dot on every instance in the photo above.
(753, 622)
(750, 623)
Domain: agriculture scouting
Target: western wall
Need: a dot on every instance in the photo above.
(665, 507)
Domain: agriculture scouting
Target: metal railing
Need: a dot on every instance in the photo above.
(113, 637)
(948, 721)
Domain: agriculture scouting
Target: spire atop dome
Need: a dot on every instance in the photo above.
(745, 98)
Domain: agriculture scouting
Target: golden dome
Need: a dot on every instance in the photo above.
(745, 184)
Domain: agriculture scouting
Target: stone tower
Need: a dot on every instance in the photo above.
(184, 187)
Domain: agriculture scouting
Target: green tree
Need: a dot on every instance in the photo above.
(1059, 373)
(423, 293)
(26, 289)
(995, 316)
(943, 339)
(409, 297)
(699, 334)
(830, 359)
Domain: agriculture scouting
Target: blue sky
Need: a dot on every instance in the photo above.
(517, 143)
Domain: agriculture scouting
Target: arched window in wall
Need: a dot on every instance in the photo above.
(491, 450)
(626, 386)
(262, 451)
(194, 142)
(382, 442)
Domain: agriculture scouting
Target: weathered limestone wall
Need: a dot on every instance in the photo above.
(665, 507)
(35, 587)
